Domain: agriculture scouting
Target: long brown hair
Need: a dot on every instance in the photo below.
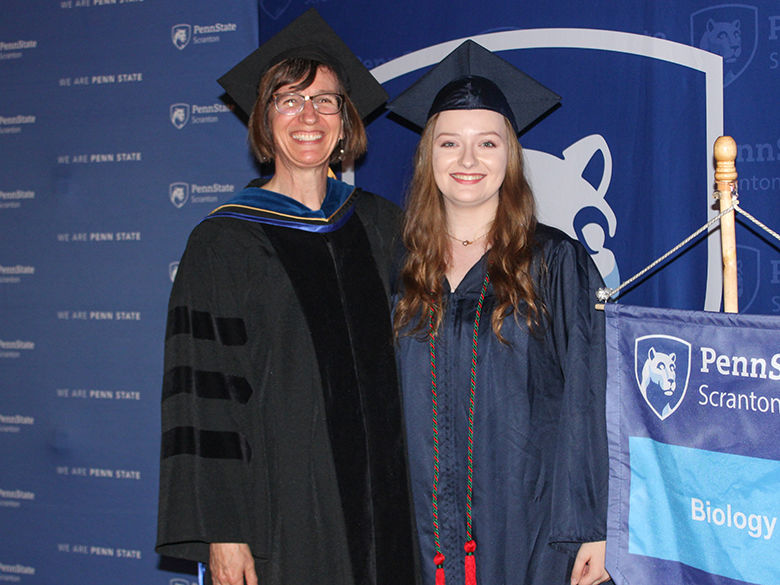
(301, 72)
(427, 245)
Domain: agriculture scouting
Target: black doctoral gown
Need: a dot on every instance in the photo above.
(281, 414)
(540, 449)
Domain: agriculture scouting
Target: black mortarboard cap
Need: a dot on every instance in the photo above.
(308, 36)
(470, 78)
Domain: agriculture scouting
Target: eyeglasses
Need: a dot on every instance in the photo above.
(292, 103)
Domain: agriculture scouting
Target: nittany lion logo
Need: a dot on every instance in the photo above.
(566, 200)
(181, 35)
(662, 367)
(180, 115)
(723, 38)
(728, 30)
(179, 193)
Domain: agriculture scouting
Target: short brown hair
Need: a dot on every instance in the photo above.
(301, 72)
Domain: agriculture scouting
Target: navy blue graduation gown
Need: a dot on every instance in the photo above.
(540, 450)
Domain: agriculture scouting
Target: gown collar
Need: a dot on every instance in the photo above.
(471, 282)
(260, 205)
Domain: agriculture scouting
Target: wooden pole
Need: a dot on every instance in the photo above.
(725, 181)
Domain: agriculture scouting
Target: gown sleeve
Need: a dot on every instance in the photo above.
(382, 221)
(580, 471)
(208, 491)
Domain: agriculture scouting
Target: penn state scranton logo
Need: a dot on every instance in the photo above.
(662, 368)
(173, 268)
(180, 115)
(181, 35)
(179, 193)
(728, 30)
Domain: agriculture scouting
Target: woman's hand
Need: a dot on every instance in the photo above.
(231, 563)
(589, 564)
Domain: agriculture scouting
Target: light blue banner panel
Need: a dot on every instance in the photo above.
(697, 507)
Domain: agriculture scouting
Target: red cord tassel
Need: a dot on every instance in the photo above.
(470, 562)
(438, 560)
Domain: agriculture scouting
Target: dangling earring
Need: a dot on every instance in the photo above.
(267, 159)
(340, 147)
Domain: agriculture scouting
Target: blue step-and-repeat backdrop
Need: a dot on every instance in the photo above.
(114, 142)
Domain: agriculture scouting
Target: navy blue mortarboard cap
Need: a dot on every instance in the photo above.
(472, 92)
(473, 78)
(308, 37)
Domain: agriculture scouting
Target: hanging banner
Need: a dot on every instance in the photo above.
(693, 416)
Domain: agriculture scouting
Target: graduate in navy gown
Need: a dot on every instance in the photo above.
(500, 348)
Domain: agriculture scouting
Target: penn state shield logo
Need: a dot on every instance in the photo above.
(180, 115)
(748, 275)
(181, 35)
(728, 30)
(662, 365)
(179, 193)
(173, 268)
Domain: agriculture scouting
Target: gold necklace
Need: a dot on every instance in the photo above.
(467, 242)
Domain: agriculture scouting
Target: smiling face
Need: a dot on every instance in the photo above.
(469, 157)
(307, 139)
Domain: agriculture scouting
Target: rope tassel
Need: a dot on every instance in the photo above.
(438, 560)
(470, 562)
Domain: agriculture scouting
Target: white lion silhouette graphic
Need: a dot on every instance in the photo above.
(659, 381)
(562, 192)
(180, 115)
(178, 196)
(180, 35)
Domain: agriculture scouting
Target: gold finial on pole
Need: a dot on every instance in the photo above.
(725, 181)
